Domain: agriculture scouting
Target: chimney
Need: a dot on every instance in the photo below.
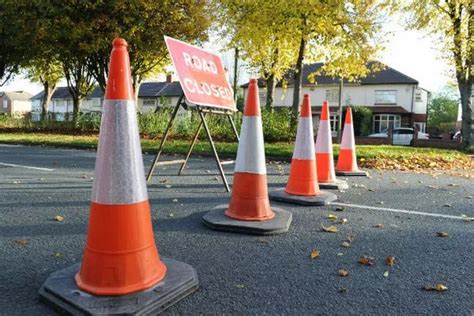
(169, 78)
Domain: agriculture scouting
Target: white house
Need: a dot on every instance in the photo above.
(394, 98)
(15, 103)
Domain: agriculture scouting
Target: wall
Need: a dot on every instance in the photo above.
(437, 143)
(4, 109)
(21, 107)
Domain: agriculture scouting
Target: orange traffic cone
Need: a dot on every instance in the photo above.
(302, 187)
(120, 257)
(324, 156)
(347, 161)
(249, 209)
(303, 179)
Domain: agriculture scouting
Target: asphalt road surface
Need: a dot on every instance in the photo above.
(242, 274)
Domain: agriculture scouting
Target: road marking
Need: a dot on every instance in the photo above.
(394, 210)
(26, 167)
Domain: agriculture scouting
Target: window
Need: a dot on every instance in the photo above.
(382, 122)
(5, 104)
(96, 103)
(332, 95)
(420, 126)
(385, 97)
(149, 102)
(418, 97)
(334, 119)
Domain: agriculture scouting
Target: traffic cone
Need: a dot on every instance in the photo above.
(324, 156)
(302, 187)
(121, 261)
(249, 210)
(347, 161)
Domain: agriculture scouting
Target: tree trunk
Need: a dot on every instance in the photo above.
(136, 88)
(48, 93)
(236, 71)
(76, 102)
(298, 78)
(467, 129)
(271, 82)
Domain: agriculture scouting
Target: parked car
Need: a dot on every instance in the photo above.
(401, 135)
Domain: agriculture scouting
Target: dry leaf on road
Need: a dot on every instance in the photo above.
(367, 260)
(346, 244)
(339, 209)
(332, 217)
(343, 273)
(329, 229)
(442, 234)
(379, 226)
(342, 221)
(21, 242)
(467, 218)
(390, 261)
(385, 274)
(59, 218)
(314, 254)
(439, 287)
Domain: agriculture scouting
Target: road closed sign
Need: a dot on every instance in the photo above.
(201, 75)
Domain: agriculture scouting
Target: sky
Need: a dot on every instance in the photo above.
(410, 52)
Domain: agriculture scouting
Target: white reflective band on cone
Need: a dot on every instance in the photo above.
(304, 144)
(324, 134)
(251, 152)
(348, 141)
(119, 174)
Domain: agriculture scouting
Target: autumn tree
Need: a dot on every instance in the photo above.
(143, 24)
(443, 111)
(452, 23)
(345, 35)
(259, 29)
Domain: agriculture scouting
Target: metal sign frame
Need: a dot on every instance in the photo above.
(202, 111)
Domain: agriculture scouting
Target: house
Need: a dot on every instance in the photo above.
(151, 96)
(394, 98)
(15, 103)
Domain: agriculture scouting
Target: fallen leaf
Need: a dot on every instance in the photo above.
(453, 185)
(367, 260)
(332, 217)
(447, 205)
(380, 202)
(439, 287)
(342, 290)
(164, 181)
(385, 274)
(21, 242)
(339, 209)
(59, 218)
(371, 190)
(442, 234)
(239, 286)
(379, 226)
(262, 241)
(175, 200)
(346, 244)
(314, 254)
(467, 218)
(339, 254)
(342, 273)
(58, 254)
(168, 186)
(170, 215)
(342, 221)
(329, 229)
(390, 261)
(432, 187)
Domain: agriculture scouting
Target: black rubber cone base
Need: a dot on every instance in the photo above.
(358, 173)
(337, 184)
(61, 292)
(323, 198)
(217, 220)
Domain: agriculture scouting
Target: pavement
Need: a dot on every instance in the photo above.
(242, 274)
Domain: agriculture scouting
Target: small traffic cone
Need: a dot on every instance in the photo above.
(121, 262)
(302, 187)
(347, 161)
(249, 210)
(324, 156)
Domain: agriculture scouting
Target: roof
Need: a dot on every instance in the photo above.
(147, 90)
(17, 95)
(387, 75)
(151, 89)
(172, 89)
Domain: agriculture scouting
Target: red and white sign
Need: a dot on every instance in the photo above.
(201, 75)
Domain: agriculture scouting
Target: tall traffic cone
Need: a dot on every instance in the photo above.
(249, 210)
(121, 264)
(347, 161)
(324, 156)
(302, 187)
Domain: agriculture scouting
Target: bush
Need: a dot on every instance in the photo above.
(362, 120)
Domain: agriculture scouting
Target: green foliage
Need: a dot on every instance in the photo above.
(278, 125)
(442, 113)
(362, 117)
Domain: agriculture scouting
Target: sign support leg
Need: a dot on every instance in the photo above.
(195, 137)
(233, 127)
(211, 142)
(163, 140)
